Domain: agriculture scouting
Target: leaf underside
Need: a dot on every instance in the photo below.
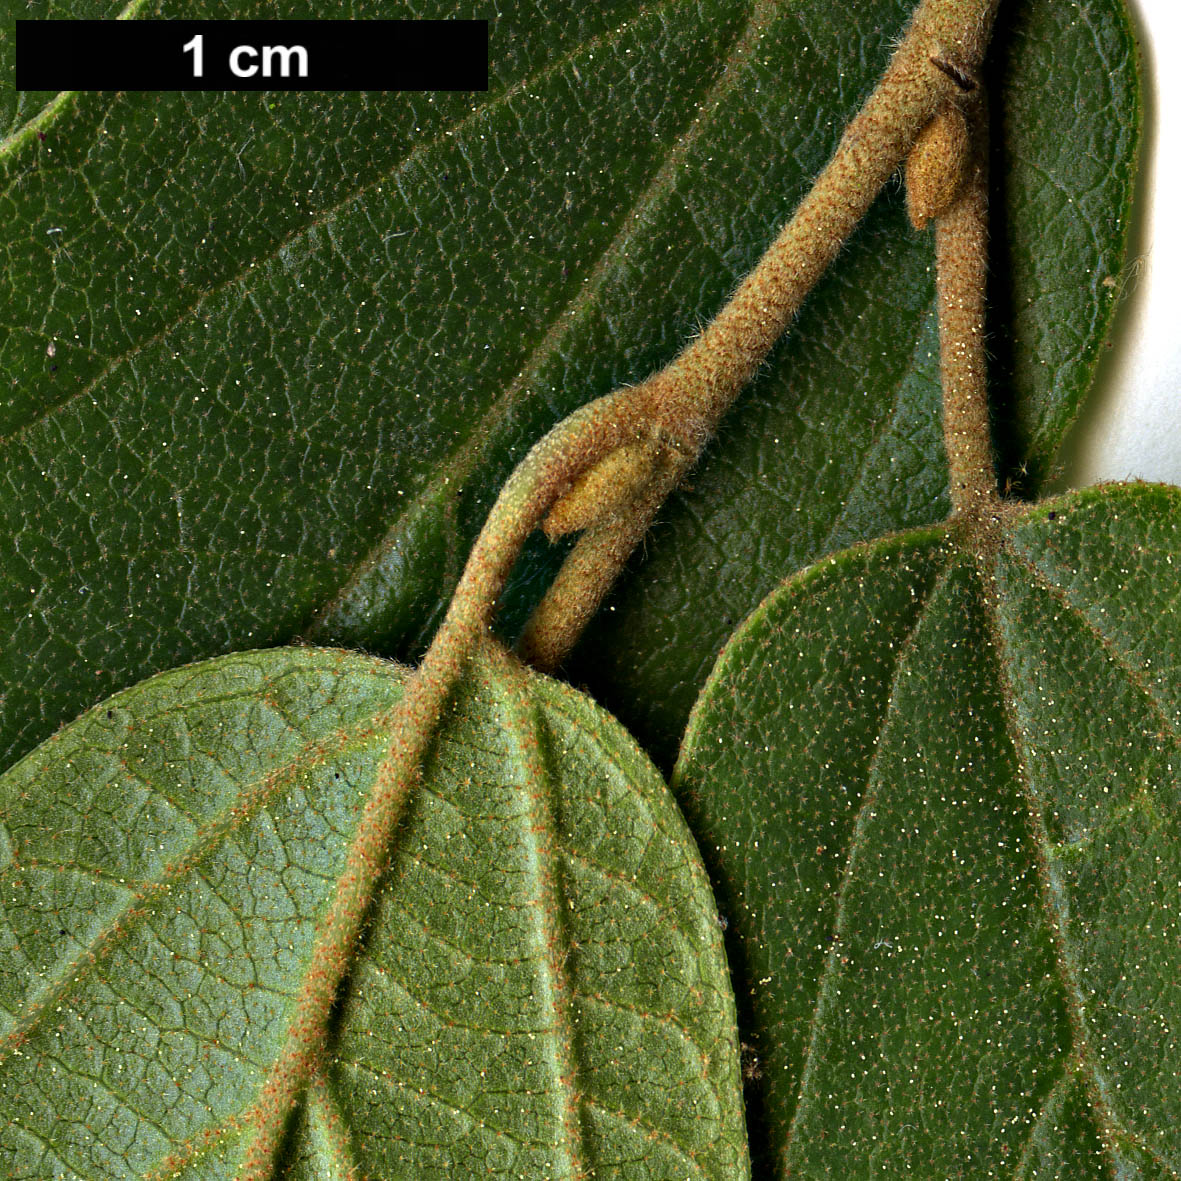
(541, 991)
(299, 340)
(941, 805)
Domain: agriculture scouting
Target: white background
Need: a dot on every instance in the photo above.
(1131, 427)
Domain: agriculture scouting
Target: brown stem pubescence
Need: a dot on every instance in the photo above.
(936, 165)
(939, 55)
(961, 267)
(701, 383)
(587, 574)
(605, 490)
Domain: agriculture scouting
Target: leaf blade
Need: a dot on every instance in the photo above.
(471, 1010)
(838, 441)
(1005, 895)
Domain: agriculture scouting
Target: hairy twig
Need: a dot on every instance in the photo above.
(961, 264)
(935, 63)
(588, 572)
(549, 469)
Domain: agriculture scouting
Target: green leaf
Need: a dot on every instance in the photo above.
(300, 339)
(541, 989)
(941, 803)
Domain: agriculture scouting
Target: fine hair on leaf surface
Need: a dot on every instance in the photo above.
(541, 984)
(956, 908)
(423, 376)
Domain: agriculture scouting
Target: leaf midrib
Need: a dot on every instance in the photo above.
(1109, 1127)
(551, 928)
(329, 1132)
(868, 800)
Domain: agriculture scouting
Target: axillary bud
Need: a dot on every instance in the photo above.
(936, 166)
(603, 490)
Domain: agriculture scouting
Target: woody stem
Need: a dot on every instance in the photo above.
(537, 482)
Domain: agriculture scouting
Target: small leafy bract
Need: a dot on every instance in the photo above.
(541, 988)
(940, 796)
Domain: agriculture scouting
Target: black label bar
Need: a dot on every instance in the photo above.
(252, 55)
